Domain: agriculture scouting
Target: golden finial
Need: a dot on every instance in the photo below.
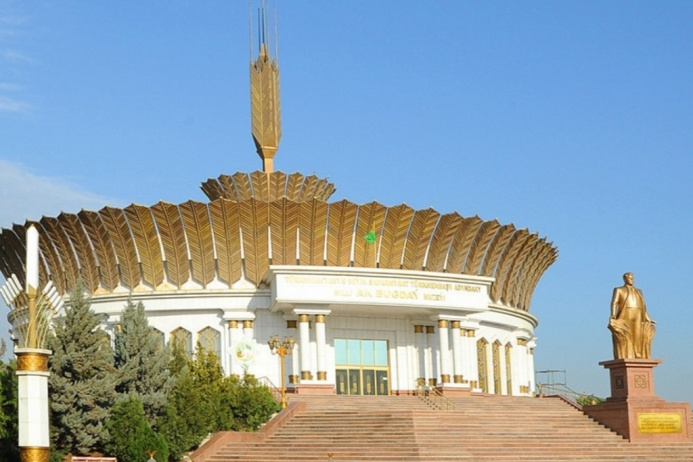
(264, 94)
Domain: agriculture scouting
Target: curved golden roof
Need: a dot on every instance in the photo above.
(197, 245)
(268, 187)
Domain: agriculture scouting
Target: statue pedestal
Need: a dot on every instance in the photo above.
(633, 411)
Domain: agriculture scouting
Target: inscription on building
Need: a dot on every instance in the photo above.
(659, 422)
(380, 290)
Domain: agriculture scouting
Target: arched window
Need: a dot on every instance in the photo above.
(181, 338)
(497, 368)
(159, 336)
(210, 340)
(509, 368)
(482, 364)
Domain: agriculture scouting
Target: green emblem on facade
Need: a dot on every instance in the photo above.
(370, 237)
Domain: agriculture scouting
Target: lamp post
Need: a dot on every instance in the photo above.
(282, 348)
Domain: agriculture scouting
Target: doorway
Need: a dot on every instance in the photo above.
(361, 367)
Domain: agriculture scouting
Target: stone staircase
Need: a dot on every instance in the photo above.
(404, 428)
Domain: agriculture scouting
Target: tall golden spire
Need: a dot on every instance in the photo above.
(264, 94)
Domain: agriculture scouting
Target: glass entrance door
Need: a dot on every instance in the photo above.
(361, 367)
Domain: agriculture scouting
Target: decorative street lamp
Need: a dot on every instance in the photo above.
(282, 349)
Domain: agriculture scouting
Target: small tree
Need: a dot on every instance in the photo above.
(141, 361)
(131, 437)
(194, 401)
(9, 436)
(251, 405)
(82, 380)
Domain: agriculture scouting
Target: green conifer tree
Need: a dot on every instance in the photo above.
(82, 381)
(9, 436)
(191, 412)
(131, 438)
(142, 361)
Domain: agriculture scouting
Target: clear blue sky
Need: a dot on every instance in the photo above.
(572, 119)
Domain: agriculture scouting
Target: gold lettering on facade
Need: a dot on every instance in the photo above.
(656, 422)
(384, 288)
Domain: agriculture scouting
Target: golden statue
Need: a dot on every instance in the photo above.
(631, 327)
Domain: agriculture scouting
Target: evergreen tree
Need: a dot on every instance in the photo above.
(131, 437)
(204, 401)
(82, 381)
(193, 403)
(9, 436)
(249, 402)
(142, 361)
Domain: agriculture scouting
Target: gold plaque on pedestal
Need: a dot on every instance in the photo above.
(659, 422)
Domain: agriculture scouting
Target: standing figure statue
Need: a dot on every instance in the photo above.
(631, 327)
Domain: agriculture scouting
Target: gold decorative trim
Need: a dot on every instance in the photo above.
(445, 378)
(471, 333)
(32, 362)
(320, 318)
(455, 324)
(430, 330)
(247, 324)
(432, 382)
(458, 378)
(233, 324)
(34, 454)
(306, 375)
(418, 329)
(303, 318)
(420, 382)
(291, 324)
(293, 378)
(322, 375)
(442, 323)
(474, 384)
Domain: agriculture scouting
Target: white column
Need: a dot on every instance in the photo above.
(294, 370)
(304, 346)
(248, 329)
(421, 354)
(232, 329)
(444, 344)
(530, 364)
(471, 366)
(32, 400)
(521, 365)
(457, 361)
(502, 371)
(430, 377)
(321, 346)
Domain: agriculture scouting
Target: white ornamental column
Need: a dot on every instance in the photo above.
(472, 363)
(233, 338)
(457, 361)
(32, 367)
(421, 346)
(304, 346)
(430, 331)
(32, 397)
(248, 329)
(531, 344)
(521, 356)
(321, 346)
(444, 345)
(291, 331)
